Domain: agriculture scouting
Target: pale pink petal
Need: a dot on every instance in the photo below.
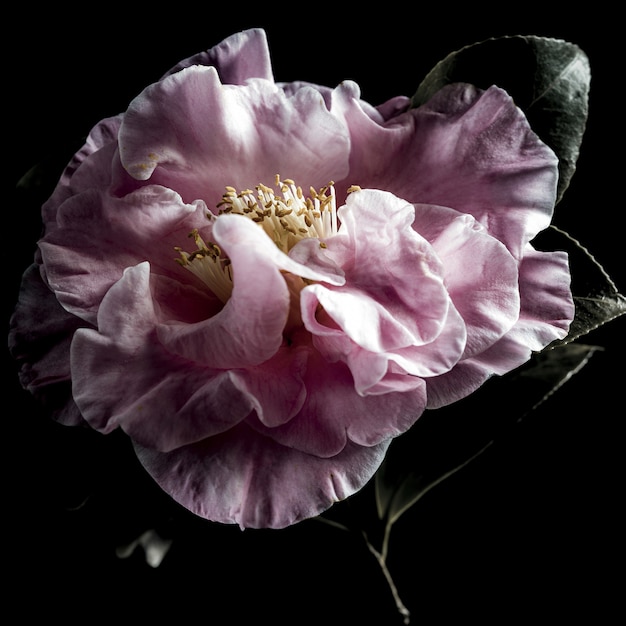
(394, 306)
(546, 312)
(249, 329)
(276, 404)
(123, 377)
(480, 273)
(334, 413)
(89, 167)
(467, 149)
(244, 478)
(547, 309)
(98, 236)
(466, 377)
(239, 57)
(193, 134)
(382, 257)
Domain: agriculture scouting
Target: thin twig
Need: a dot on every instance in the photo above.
(392, 586)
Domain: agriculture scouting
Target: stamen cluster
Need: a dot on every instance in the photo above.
(287, 216)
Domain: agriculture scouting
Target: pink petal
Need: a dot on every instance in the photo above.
(239, 57)
(89, 167)
(98, 236)
(480, 273)
(394, 306)
(166, 402)
(245, 478)
(193, 134)
(546, 312)
(466, 149)
(381, 255)
(334, 413)
(547, 309)
(249, 329)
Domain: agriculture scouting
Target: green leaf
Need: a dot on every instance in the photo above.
(596, 296)
(549, 80)
(445, 440)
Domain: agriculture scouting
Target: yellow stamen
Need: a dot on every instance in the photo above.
(286, 215)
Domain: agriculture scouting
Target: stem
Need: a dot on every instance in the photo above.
(381, 558)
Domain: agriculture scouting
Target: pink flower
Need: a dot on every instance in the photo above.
(307, 322)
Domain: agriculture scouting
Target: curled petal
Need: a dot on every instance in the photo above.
(98, 236)
(334, 413)
(249, 329)
(545, 315)
(468, 149)
(244, 478)
(89, 168)
(394, 300)
(167, 402)
(178, 130)
(39, 340)
(480, 274)
(239, 57)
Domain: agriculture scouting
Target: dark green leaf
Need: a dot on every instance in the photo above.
(445, 440)
(548, 79)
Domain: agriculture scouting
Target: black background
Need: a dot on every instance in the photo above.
(531, 529)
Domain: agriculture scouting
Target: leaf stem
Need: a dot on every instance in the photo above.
(381, 559)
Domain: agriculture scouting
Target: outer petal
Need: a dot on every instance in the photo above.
(334, 414)
(167, 402)
(90, 167)
(239, 57)
(203, 135)
(98, 236)
(39, 340)
(547, 310)
(245, 478)
(466, 149)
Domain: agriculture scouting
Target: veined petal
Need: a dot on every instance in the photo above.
(89, 168)
(334, 413)
(237, 58)
(179, 131)
(167, 402)
(244, 478)
(98, 236)
(545, 315)
(480, 273)
(467, 149)
(249, 329)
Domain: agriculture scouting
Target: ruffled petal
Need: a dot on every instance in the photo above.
(239, 57)
(334, 413)
(249, 329)
(167, 402)
(89, 168)
(394, 299)
(190, 133)
(39, 340)
(480, 274)
(546, 312)
(98, 236)
(244, 478)
(467, 149)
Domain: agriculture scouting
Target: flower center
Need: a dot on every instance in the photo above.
(289, 217)
(286, 215)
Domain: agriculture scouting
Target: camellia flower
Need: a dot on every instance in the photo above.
(263, 284)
